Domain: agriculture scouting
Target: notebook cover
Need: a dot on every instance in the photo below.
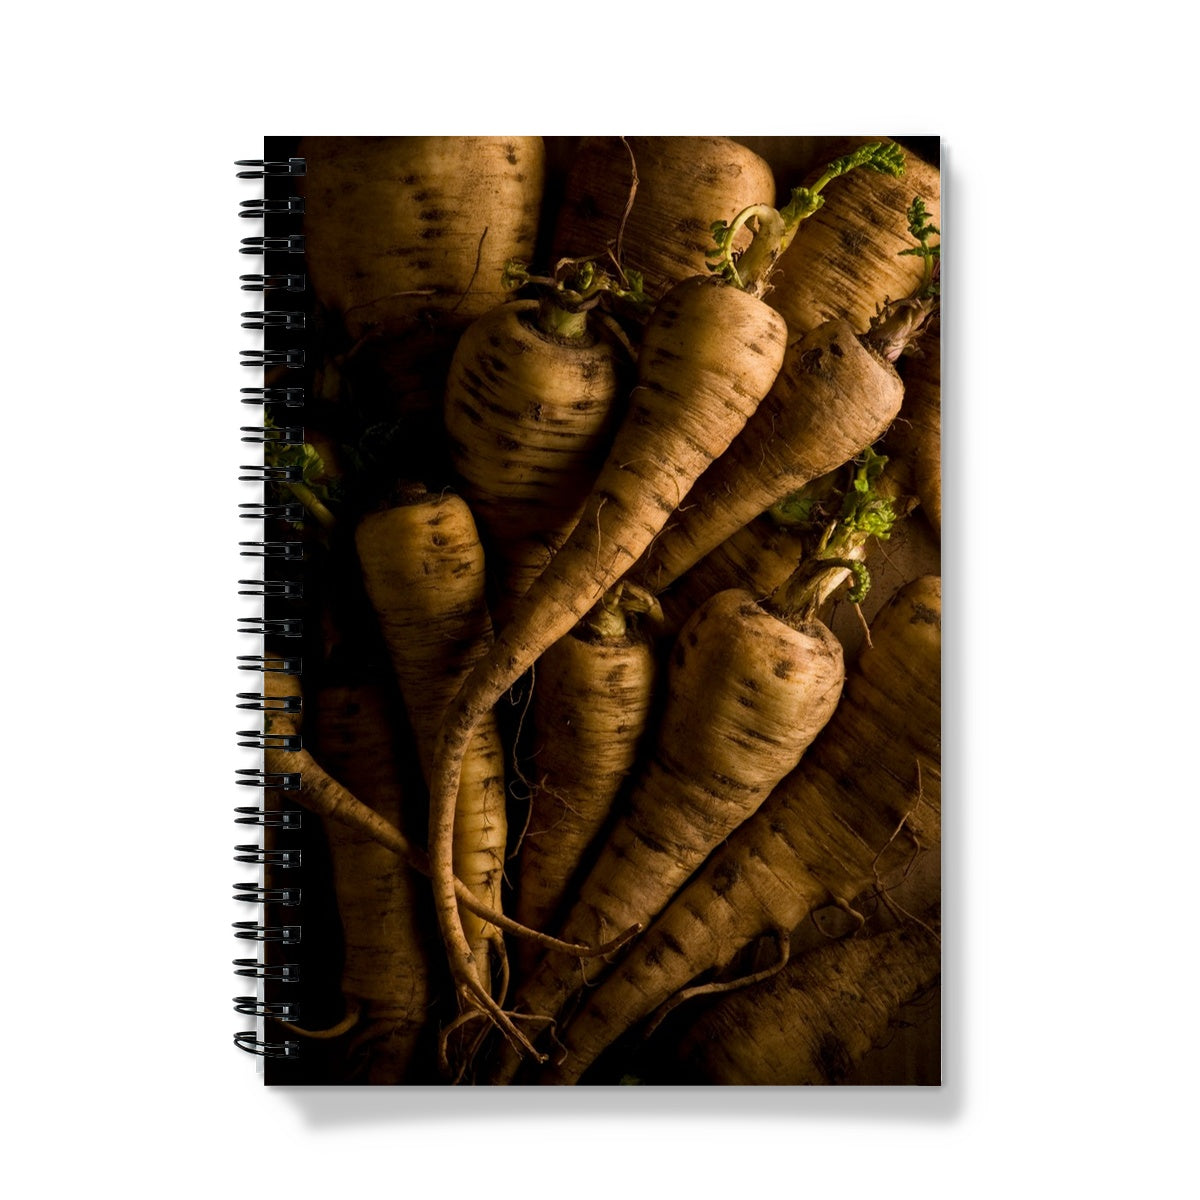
(391, 366)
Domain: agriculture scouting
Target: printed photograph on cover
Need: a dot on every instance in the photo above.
(607, 656)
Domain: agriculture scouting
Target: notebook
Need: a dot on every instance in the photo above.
(594, 685)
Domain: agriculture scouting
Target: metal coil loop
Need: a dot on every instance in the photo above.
(253, 893)
(261, 740)
(251, 968)
(248, 1042)
(260, 473)
(272, 283)
(269, 818)
(289, 512)
(284, 206)
(274, 435)
(258, 702)
(256, 931)
(282, 589)
(288, 397)
(270, 664)
(289, 551)
(284, 781)
(293, 166)
(293, 359)
(287, 627)
(286, 859)
(273, 319)
(289, 243)
(251, 1006)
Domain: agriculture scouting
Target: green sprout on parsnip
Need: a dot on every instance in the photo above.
(774, 228)
(312, 488)
(575, 288)
(864, 510)
(897, 323)
(865, 513)
(797, 509)
(922, 228)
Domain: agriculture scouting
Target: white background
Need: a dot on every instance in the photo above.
(1070, 651)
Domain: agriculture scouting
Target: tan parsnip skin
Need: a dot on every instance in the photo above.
(816, 1020)
(591, 701)
(757, 557)
(386, 967)
(684, 185)
(406, 239)
(328, 798)
(846, 261)
(529, 417)
(747, 694)
(709, 355)
(395, 226)
(823, 833)
(918, 430)
(423, 568)
(833, 398)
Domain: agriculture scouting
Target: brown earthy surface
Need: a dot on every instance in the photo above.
(684, 185)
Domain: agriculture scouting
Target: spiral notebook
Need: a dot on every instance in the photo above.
(595, 685)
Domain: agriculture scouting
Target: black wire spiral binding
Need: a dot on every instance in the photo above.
(275, 817)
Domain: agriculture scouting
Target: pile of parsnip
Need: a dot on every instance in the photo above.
(620, 490)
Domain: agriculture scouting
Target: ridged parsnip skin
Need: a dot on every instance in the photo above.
(386, 965)
(758, 557)
(817, 1019)
(423, 569)
(591, 701)
(846, 262)
(920, 425)
(747, 694)
(684, 185)
(824, 831)
(529, 417)
(794, 158)
(391, 215)
(709, 354)
(833, 398)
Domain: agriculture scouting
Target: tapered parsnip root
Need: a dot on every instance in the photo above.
(828, 831)
(530, 409)
(590, 707)
(423, 567)
(763, 555)
(682, 185)
(385, 974)
(835, 396)
(757, 557)
(323, 795)
(748, 691)
(708, 356)
(814, 1021)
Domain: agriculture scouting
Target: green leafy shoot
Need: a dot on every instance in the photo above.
(313, 488)
(576, 286)
(885, 158)
(797, 509)
(864, 511)
(722, 253)
(922, 229)
(864, 514)
(774, 229)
